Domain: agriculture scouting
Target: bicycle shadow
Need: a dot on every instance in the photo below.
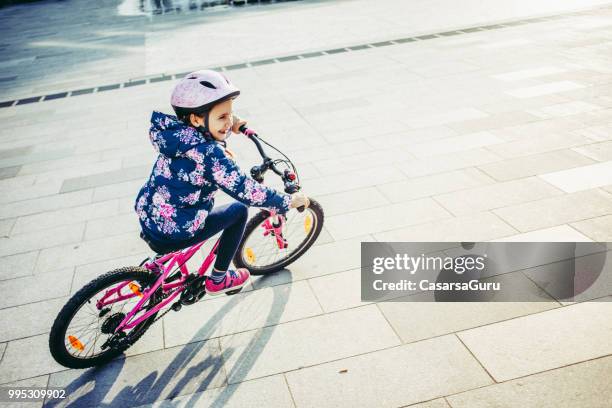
(95, 386)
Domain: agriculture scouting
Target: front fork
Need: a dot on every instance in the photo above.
(273, 225)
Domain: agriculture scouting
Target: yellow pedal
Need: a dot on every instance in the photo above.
(250, 255)
(76, 343)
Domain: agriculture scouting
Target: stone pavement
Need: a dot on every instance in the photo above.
(500, 131)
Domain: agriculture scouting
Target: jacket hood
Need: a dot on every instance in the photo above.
(171, 137)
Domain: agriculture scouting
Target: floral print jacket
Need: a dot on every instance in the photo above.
(179, 194)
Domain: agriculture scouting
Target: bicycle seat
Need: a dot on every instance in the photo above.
(163, 249)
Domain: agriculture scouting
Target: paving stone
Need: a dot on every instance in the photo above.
(437, 403)
(35, 157)
(469, 228)
(114, 225)
(104, 179)
(239, 313)
(420, 317)
(596, 151)
(29, 192)
(17, 152)
(561, 233)
(6, 226)
(443, 365)
(338, 291)
(529, 73)
(544, 127)
(9, 172)
(27, 358)
(458, 115)
(564, 109)
(435, 184)
(145, 378)
(64, 216)
(494, 121)
(599, 229)
(118, 190)
(352, 200)
(544, 89)
(453, 144)
(496, 195)
(410, 136)
(28, 289)
(581, 178)
(29, 319)
(350, 181)
(542, 144)
(290, 346)
(361, 161)
(595, 133)
(41, 239)
(15, 266)
(557, 210)
(66, 168)
(91, 251)
(384, 218)
(527, 166)
(543, 341)
(42, 204)
(447, 162)
(263, 392)
(557, 388)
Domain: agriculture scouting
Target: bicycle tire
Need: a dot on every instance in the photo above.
(62, 321)
(239, 261)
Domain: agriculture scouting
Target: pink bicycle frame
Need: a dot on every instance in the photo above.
(166, 263)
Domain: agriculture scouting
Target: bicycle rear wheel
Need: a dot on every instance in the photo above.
(261, 255)
(83, 336)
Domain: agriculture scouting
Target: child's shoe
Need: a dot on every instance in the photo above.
(233, 280)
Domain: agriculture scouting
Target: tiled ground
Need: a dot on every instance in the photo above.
(491, 134)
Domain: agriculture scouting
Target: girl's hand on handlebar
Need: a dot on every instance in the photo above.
(299, 200)
(237, 123)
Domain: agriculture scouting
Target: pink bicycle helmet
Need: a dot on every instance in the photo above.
(199, 91)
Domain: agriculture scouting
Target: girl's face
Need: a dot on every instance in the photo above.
(219, 120)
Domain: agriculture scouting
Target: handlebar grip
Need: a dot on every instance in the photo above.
(243, 128)
(301, 209)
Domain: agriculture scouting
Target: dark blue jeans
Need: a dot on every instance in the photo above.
(229, 218)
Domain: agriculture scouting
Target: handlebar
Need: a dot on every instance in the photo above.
(257, 172)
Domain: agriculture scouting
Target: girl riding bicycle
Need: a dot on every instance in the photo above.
(175, 206)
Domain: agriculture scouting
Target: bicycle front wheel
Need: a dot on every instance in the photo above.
(259, 252)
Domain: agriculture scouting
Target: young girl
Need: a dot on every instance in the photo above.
(175, 206)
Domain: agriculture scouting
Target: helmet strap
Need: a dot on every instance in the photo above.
(204, 131)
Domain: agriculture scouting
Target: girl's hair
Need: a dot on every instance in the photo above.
(185, 117)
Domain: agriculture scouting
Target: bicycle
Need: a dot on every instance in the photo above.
(113, 311)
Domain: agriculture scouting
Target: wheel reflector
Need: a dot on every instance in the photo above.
(250, 255)
(76, 343)
(307, 223)
(135, 289)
